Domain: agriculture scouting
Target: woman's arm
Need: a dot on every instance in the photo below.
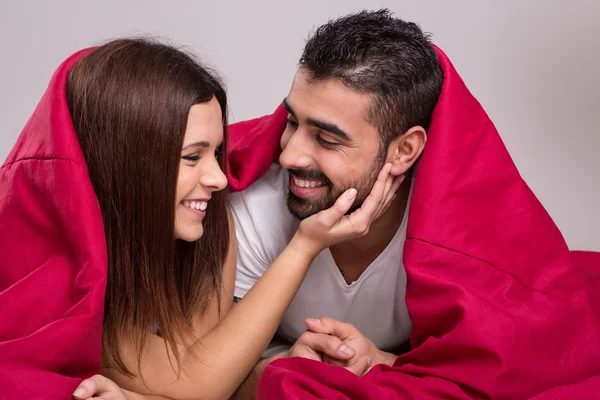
(216, 364)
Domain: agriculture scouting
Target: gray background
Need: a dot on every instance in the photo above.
(533, 64)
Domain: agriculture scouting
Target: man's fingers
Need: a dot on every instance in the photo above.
(304, 351)
(360, 366)
(335, 361)
(326, 344)
(331, 326)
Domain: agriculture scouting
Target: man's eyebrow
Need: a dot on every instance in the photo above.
(326, 126)
(331, 128)
(197, 144)
(288, 108)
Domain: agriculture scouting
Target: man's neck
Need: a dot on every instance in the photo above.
(354, 256)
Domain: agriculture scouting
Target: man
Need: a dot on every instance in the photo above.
(489, 277)
(339, 135)
(337, 138)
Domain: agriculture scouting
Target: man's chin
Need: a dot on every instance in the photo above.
(300, 213)
(300, 208)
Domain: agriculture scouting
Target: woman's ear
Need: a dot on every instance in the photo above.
(405, 150)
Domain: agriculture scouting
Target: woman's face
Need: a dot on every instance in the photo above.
(199, 171)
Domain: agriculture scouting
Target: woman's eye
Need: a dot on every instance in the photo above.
(194, 157)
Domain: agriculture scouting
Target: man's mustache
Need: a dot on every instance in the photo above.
(310, 174)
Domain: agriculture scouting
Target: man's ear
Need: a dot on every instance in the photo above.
(405, 150)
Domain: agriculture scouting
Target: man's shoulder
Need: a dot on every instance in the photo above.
(260, 212)
(273, 184)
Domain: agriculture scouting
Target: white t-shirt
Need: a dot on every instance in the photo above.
(374, 303)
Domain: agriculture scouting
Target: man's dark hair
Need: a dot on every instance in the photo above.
(374, 52)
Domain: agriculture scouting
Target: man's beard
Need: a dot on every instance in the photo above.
(304, 208)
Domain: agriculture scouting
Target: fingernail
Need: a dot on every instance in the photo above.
(314, 321)
(369, 361)
(351, 194)
(345, 350)
(79, 392)
(389, 167)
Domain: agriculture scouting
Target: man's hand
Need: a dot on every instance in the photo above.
(319, 347)
(314, 345)
(311, 345)
(347, 335)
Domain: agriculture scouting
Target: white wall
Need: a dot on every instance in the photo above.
(533, 64)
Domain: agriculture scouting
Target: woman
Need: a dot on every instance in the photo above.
(151, 123)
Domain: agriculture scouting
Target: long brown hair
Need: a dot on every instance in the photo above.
(129, 100)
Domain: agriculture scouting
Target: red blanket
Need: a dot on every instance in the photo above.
(500, 306)
(52, 257)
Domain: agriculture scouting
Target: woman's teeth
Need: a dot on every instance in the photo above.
(306, 184)
(196, 205)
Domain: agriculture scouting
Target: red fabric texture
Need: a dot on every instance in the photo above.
(500, 307)
(52, 257)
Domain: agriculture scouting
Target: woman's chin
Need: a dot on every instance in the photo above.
(189, 235)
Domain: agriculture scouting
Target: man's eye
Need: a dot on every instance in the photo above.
(325, 143)
(291, 123)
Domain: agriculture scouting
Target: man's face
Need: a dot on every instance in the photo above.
(328, 145)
